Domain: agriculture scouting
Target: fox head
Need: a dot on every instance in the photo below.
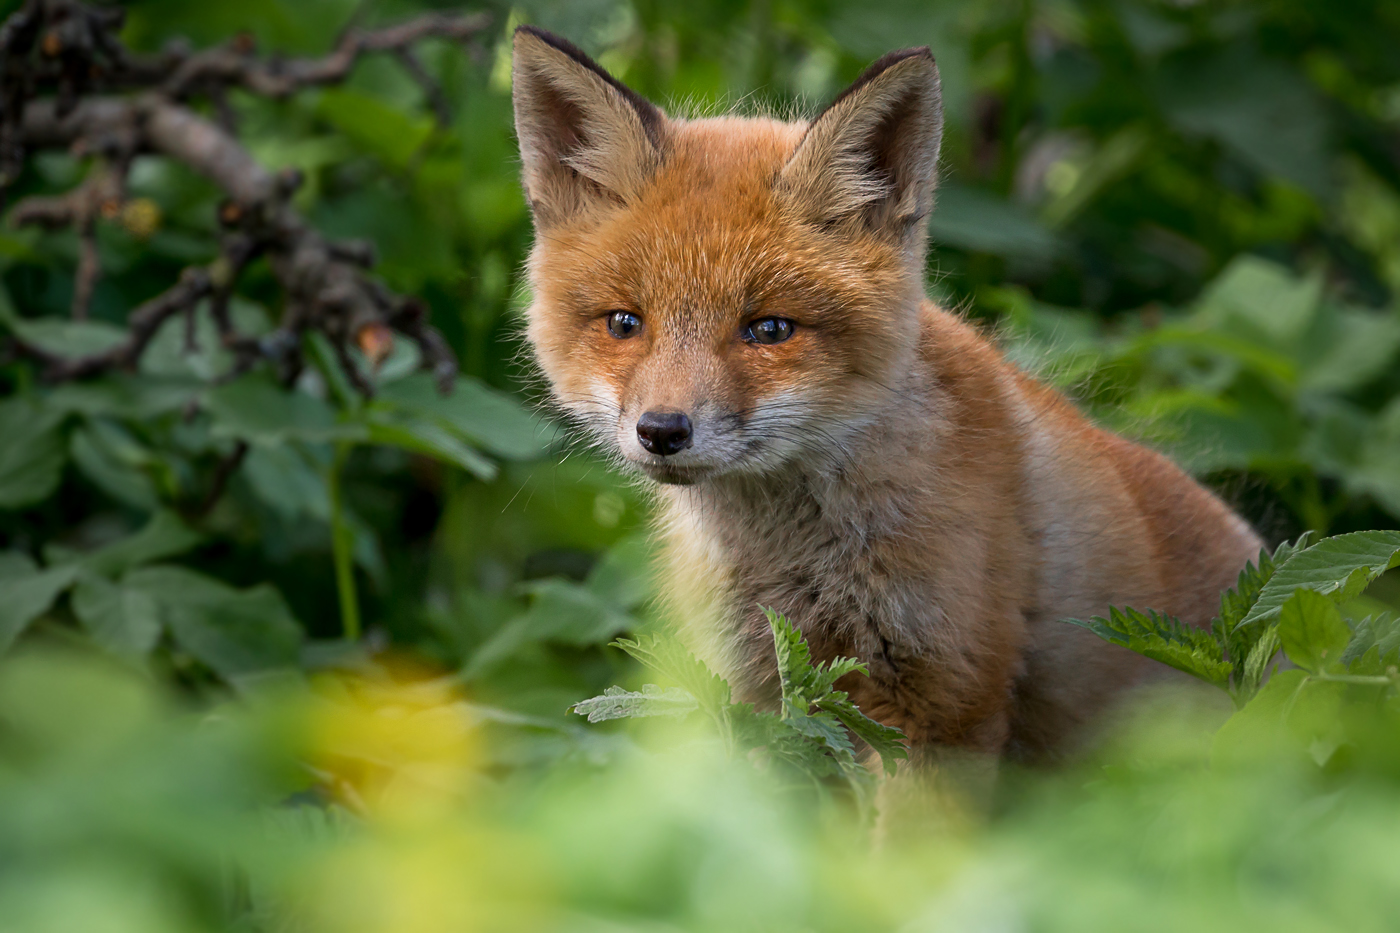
(727, 296)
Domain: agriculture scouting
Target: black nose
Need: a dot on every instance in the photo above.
(664, 432)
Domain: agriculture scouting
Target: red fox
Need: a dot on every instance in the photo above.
(735, 307)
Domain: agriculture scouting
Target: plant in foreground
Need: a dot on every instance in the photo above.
(809, 737)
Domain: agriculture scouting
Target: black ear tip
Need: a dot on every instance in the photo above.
(544, 35)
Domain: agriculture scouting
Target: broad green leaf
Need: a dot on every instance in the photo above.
(1257, 731)
(1164, 639)
(232, 631)
(979, 221)
(123, 620)
(257, 411)
(1341, 567)
(165, 535)
(1264, 295)
(378, 127)
(428, 438)
(113, 461)
(122, 396)
(651, 700)
(26, 596)
(491, 420)
(1312, 631)
(623, 575)
(62, 336)
(32, 452)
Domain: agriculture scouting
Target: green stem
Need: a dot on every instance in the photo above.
(343, 548)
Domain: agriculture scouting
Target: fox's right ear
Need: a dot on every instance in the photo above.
(586, 139)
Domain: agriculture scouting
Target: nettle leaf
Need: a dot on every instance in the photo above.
(1374, 645)
(802, 680)
(651, 700)
(32, 453)
(667, 656)
(887, 741)
(1340, 567)
(1256, 663)
(1312, 631)
(1236, 603)
(1166, 639)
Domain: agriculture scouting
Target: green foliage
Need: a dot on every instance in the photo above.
(808, 736)
(1163, 638)
(1185, 215)
(1303, 706)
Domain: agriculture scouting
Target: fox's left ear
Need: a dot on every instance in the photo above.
(873, 153)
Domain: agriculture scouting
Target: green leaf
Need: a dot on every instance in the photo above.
(887, 741)
(1258, 730)
(1236, 603)
(255, 410)
(1312, 631)
(232, 631)
(616, 703)
(32, 453)
(1256, 662)
(1164, 639)
(491, 420)
(1376, 637)
(393, 136)
(121, 396)
(26, 595)
(113, 462)
(976, 220)
(1340, 566)
(123, 620)
(165, 535)
(1262, 295)
(61, 336)
(419, 436)
(667, 656)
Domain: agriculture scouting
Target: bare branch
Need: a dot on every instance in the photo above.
(66, 49)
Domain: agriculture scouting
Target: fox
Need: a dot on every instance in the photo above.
(734, 308)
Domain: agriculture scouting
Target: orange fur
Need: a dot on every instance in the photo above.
(884, 476)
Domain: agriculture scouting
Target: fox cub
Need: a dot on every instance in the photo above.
(735, 307)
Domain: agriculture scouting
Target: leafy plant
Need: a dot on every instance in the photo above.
(809, 736)
(1292, 601)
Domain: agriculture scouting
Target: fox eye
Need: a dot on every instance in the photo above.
(768, 330)
(624, 324)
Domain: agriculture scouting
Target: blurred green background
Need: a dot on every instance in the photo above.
(1186, 214)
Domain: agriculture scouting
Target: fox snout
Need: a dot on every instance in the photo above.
(664, 432)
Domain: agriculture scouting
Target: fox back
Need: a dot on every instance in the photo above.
(735, 308)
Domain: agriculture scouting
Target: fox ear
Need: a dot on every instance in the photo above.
(586, 139)
(873, 153)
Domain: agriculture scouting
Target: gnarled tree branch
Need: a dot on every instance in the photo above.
(67, 82)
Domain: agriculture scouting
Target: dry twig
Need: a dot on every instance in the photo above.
(67, 82)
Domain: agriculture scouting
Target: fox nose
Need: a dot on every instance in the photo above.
(664, 432)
